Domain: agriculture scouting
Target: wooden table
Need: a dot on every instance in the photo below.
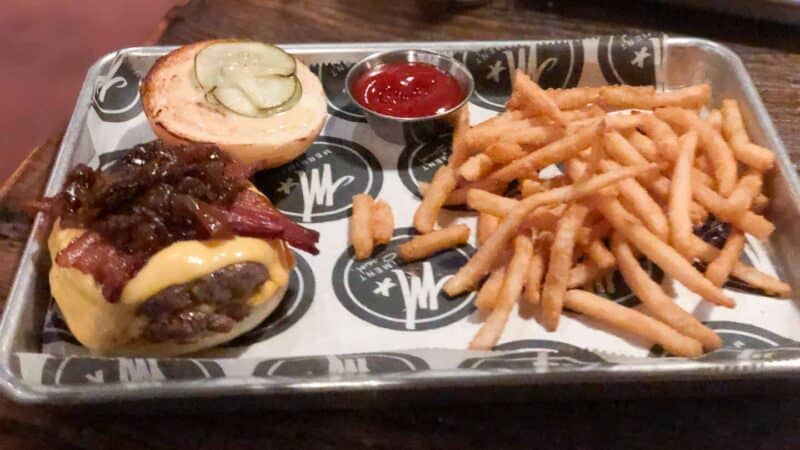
(770, 52)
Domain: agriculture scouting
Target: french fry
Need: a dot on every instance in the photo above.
(715, 119)
(536, 269)
(425, 245)
(459, 196)
(719, 153)
(478, 266)
(680, 197)
(482, 135)
(559, 263)
(750, 275)
(600, 255)
(574, 98)
(533, 137)
(562, 149)
(641, 204)
(702, 177)
(719, 269)
(645, 97)
(702, 164)
(581, 114)
(503, 152)
(668, 259)
(622, 151)
(760, 203)
(529, 187)
(662, 135)
(597, 153)
(544, 218)
(598, 230)
(622, 122)
(490, 290)
(537, 98)
(487, 223)
(443, 183)
(645, 145)
(657, 302)
(382, 222)
(476, 167)
(626, 97)
(632, 321)
(746, 191)
(360, 226)
(513, 282)
(460, 145)
(733, 128)
(583, 274)
(749, 222)
(489, 203)
(500, 119)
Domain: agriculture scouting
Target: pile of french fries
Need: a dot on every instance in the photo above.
(641, 170)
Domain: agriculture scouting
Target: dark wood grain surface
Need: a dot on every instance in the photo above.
(770, 52)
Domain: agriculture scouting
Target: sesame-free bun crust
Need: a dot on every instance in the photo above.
(178, 113)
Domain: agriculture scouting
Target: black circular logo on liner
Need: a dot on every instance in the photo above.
(744, 342)
(115, 97)
(419, 162)
(536, 354)
(320, 184)
(332, 77)
(409, 297)
(294, 304)
(628, 59)
(85, 370)
(354, 364)
(556, 64)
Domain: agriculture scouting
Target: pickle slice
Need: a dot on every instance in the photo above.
(235, 100)
(255, 59)
(240, 101)
(267, 91)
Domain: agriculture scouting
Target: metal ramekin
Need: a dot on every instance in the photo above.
(410, 130)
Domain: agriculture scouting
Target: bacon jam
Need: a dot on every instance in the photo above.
(154, 196)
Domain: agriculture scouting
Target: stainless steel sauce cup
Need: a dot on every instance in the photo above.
(409, 130)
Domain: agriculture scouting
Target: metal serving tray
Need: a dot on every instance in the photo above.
(685, 61)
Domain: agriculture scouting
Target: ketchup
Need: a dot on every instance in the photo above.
(407, 90)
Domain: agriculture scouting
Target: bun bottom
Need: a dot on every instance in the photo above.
(268, 155)
(168, 349)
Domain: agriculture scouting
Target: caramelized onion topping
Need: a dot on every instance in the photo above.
(153, 196)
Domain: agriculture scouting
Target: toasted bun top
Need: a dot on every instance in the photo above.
(176, 106)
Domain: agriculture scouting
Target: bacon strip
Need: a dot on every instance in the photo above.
(109, 267)
(252, 215)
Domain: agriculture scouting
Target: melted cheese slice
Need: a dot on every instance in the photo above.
(99, 324)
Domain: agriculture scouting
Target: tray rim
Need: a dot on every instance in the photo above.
(16, 389)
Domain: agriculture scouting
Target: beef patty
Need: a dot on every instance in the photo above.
(211, 303)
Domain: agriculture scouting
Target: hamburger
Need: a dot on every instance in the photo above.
(166, 251)
(251, 99)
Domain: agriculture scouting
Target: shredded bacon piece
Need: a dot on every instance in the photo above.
(109, 267)
(252, 215)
